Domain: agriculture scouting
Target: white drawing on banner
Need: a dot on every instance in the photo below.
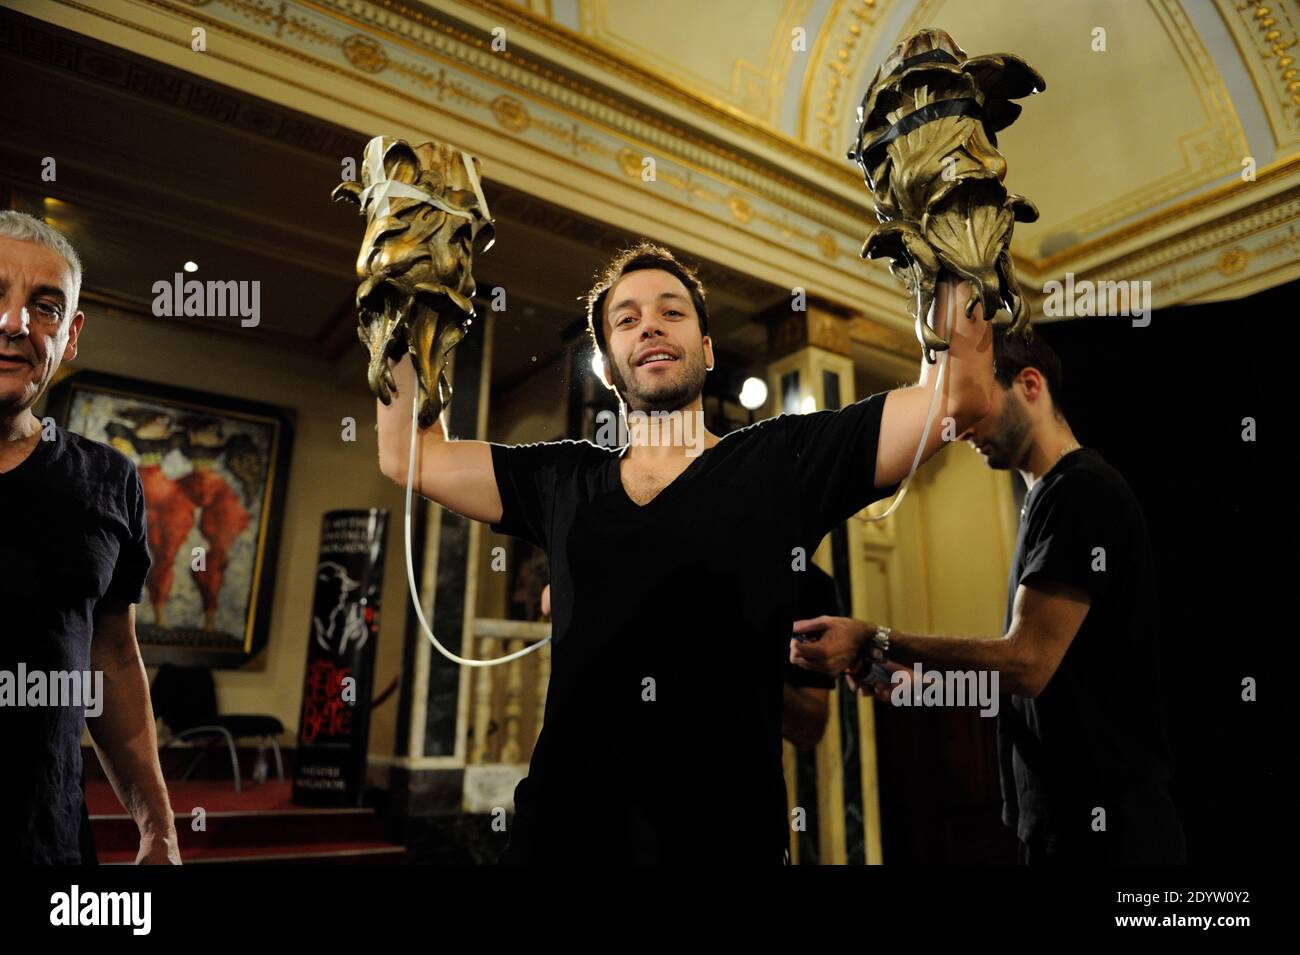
(353, 624)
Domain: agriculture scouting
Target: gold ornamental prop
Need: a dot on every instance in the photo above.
(426, 219)
(927, 145)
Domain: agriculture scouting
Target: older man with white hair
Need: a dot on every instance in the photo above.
(73, 559)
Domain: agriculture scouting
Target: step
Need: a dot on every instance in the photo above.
(320, 853)
(259, 823)
(119, 832)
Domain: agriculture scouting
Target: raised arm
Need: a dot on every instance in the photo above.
(456, 474)
(966, 395)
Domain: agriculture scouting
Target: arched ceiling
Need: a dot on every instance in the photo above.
(1157, 113)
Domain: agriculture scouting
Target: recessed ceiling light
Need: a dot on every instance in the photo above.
(191, 266)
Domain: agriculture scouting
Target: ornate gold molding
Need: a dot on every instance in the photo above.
(1266, 35)
(1236, 250)
(843, 40)
(753, 197)
(737, 121)
(588, 104)
(1267, 176)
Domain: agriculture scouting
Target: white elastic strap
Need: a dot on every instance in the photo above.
(410, 570)
(929, 420)
(468, 160)
(381, 188)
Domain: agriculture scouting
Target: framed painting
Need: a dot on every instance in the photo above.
(213, 469)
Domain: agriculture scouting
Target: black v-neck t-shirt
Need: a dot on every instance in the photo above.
(1094, 738)
(661, 740)
(74, 534)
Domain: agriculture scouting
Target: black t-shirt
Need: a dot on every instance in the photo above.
(661, 739)
(1095, 737)
(74, 534)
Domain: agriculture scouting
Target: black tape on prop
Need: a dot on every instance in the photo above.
(334, 727)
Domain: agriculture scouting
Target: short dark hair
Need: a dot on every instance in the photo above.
(644, 255)
(1013, 353)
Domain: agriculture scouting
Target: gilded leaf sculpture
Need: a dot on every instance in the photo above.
(927, 145)
(426, 218)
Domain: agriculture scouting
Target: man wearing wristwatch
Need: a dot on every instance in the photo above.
(1085, 761)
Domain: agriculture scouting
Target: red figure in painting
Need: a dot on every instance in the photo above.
(222, 515)
(146, 437)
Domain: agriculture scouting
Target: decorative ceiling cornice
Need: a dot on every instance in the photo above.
(576, 45)
(738, 191)
(1270, 176)
(1262, 238)
(1268, 37)
(430, 31)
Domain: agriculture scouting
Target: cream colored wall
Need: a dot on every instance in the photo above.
(939, 565)
(955, 545)
(326, 473)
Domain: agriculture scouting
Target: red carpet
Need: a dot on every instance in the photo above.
(259, 825)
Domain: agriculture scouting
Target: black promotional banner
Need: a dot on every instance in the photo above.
(334, 726)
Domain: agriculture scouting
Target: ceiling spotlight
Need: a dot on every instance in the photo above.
(753, 393)
(191, 266)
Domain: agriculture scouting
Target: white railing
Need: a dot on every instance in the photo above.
(508, 700)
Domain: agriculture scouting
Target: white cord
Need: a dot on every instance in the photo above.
(375, 202)
(929, 420)
(410, 568)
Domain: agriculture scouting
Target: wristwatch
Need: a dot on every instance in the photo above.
(878, 648)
